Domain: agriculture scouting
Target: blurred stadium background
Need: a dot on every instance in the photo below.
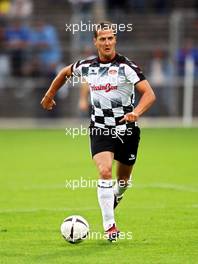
(34, 45)
(161, 208)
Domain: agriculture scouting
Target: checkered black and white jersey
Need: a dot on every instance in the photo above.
(111, 87)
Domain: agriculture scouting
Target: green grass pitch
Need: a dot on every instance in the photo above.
(161, 210)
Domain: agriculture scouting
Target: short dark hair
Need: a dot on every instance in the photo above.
(104, 25)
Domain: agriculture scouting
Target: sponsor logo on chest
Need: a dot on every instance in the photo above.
(107, 87)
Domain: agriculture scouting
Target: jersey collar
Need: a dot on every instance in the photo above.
(106, 62)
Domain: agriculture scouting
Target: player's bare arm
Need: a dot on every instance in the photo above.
(146, 100)
(48, 100)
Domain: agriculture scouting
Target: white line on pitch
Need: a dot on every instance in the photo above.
(175, 187)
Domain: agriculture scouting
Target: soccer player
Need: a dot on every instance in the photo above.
(114, 132)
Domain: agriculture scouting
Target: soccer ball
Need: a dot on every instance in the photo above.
(74, 229)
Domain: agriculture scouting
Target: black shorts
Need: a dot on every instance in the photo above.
(124, 144)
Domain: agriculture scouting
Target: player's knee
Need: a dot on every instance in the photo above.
(105, 172)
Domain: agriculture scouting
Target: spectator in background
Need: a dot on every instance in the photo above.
(83, 9)
(160, 6)
(46, 48)
(187, 50)
(2, 36)
(21, 9)
(4, 59)
(45, 60)
(82, 12)
(4, 7)
(17, 39)
(117, 7)
(139, 6)
(159, 78)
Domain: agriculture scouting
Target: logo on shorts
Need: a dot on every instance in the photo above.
(132, 157)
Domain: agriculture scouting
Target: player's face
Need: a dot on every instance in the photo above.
(105, 44)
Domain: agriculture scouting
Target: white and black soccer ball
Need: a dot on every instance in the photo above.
(74, 229)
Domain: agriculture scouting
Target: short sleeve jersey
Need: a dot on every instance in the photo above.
(111, 87)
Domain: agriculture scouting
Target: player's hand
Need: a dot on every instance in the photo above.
(47, 102)
(130, 117)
